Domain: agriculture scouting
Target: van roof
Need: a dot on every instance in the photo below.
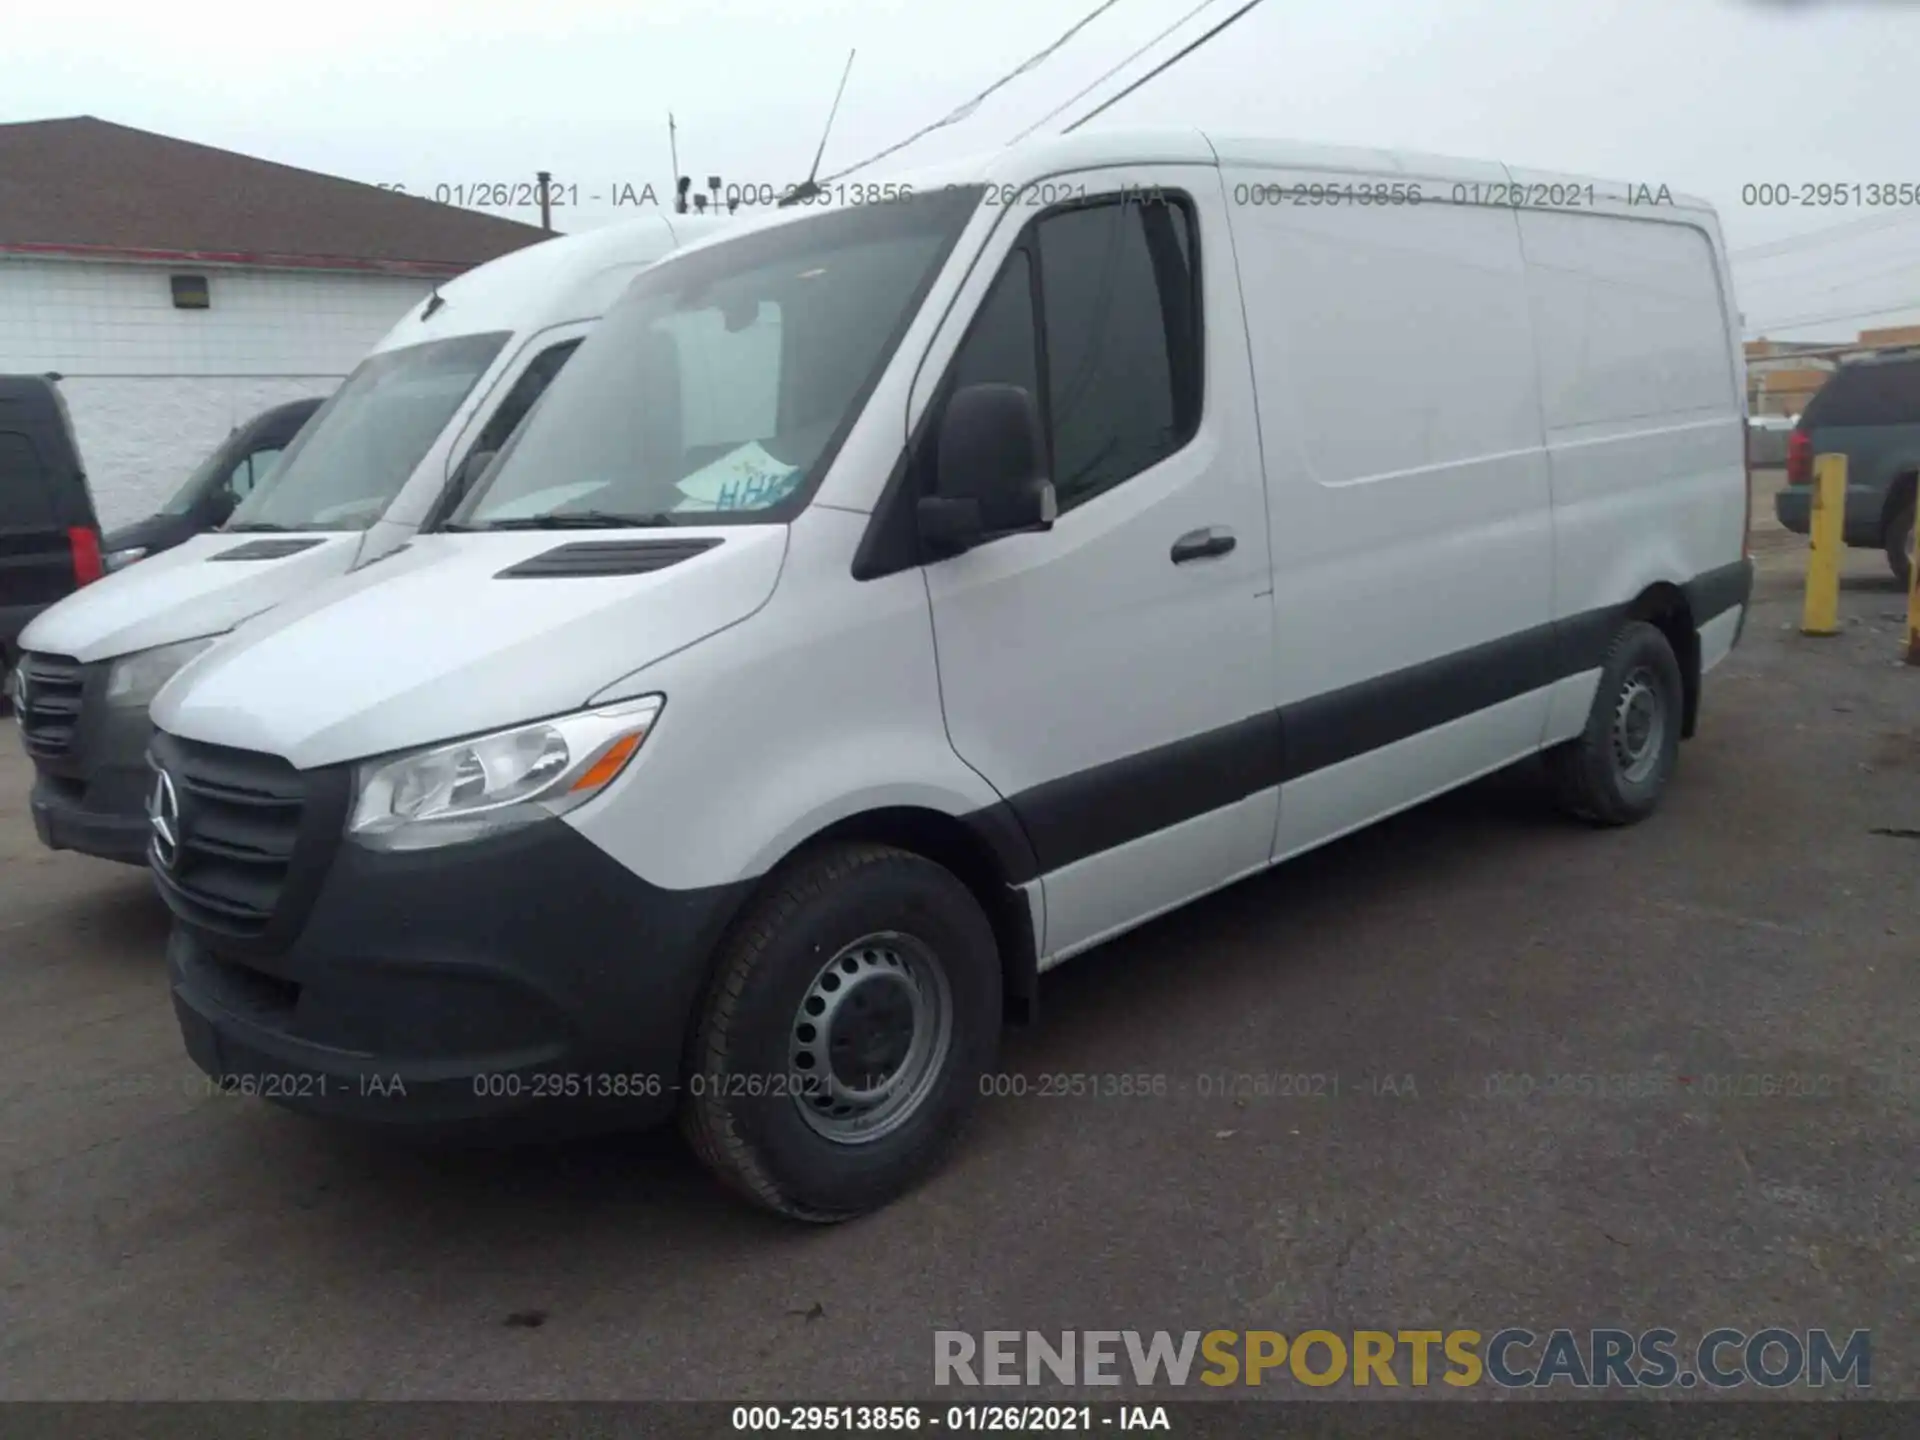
(1037, 159)
(571, 277)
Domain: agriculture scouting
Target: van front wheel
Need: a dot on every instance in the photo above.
(1616, 770)
(853, 1013)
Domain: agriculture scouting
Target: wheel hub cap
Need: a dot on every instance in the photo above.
(870, 1037)
(1639, 727)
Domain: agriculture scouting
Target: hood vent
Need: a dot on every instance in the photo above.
(265, 550)
(585, 558)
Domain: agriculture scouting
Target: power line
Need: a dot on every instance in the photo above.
(1864, 276)
(961, 112)
(1162, 67)
(1107, 75)
(1795, 322)
(1820, 237)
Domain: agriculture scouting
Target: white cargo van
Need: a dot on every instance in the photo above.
(438, 395)
(960, 579)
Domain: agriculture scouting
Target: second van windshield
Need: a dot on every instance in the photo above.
(724, 380)
(353, 457)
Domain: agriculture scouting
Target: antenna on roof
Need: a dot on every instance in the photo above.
(807, 189)
(680, 181)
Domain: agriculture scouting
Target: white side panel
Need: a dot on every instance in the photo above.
(1716, 638)
(822, 705)
(1400, 416)
(1344, 797)
(1640, 396)
(1097, 898)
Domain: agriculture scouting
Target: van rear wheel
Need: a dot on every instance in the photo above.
(1616, 770)
(854, 1009)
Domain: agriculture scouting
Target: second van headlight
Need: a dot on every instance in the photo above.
(135, 679)
(444, 794)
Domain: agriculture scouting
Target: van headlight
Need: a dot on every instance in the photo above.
(120, 559)
(446, 794)
(135, 679)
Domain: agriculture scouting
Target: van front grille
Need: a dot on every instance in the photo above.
(50, 713)
(232, 824)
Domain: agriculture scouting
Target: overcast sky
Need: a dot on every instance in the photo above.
(1707, 96)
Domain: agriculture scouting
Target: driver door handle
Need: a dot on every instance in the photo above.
(1202, 544)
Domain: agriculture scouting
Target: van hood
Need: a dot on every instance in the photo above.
(434, 642)
(187, 592)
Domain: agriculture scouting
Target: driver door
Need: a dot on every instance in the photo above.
(1111, 677)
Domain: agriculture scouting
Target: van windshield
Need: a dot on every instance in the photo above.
(354, 455)
(724, 380)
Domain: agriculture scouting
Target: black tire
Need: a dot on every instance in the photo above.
(1899, 543)
(1602, 776)
(741, 1113)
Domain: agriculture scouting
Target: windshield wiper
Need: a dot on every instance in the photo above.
(575, 520)
(256, 527)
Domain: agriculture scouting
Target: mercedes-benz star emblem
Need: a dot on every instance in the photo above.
(163, 815)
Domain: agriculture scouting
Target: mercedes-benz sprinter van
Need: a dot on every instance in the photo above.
(892, 601)
(416, 419)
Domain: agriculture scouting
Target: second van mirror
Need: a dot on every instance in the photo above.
(989, 470)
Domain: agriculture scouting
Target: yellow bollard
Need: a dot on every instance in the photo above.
(1821, 615)
(1913, 595)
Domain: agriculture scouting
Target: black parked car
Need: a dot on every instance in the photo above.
(49, 538)
(222, 481)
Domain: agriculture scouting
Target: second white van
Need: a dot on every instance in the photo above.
(421, 415)
(893, 601)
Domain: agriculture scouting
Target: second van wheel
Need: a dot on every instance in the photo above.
(854, 1010)
(1615, 771)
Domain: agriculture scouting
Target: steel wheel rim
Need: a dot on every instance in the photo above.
(870, 1037)
(1639, 727)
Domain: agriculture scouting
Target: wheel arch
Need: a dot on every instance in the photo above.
(1665, 606)
(986, 850)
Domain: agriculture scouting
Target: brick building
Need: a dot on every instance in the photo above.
(179, 289)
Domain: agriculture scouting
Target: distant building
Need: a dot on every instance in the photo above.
(178, 289)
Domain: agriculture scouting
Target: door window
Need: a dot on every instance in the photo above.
(1120, 386)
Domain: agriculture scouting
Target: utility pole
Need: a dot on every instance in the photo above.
(546, 211)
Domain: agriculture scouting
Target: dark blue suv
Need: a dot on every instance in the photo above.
(1870, 412)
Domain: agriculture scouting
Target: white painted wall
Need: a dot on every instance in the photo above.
(152, 388)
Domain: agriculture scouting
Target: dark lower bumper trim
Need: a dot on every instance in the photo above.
(64, 826)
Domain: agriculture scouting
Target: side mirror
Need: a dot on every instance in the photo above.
(989, 471)
(220, 506)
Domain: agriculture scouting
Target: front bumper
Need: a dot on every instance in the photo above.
(89, 759)
(525, 978)
(64, 820)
